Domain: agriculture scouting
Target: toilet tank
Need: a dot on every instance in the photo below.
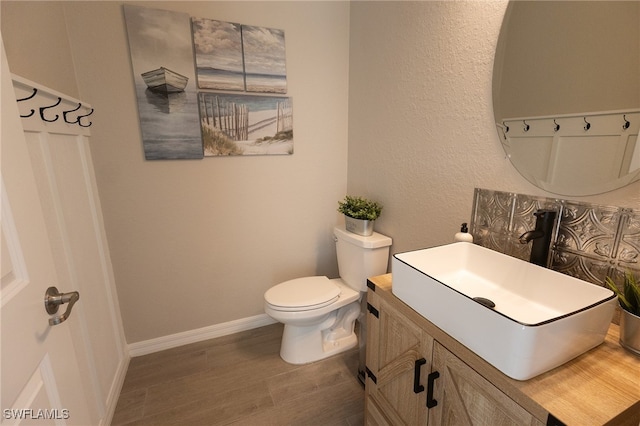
(360, 257)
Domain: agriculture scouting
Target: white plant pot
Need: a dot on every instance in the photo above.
(630, 331)
(359, 226)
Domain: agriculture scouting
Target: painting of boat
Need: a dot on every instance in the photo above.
(163, 80)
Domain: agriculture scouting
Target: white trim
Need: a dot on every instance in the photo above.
(50, 387)
(575, 115)
(31, 84)
(115, 391)
(19, 276)
(191, 336)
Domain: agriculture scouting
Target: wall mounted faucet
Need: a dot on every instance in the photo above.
(541, 237)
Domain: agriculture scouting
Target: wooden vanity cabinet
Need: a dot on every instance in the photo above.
(398, 360)
(414, 380)
(466, 398)
(411, 362)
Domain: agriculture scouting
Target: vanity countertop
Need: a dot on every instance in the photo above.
(601, 386)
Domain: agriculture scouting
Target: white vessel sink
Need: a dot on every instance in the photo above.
(541, 318)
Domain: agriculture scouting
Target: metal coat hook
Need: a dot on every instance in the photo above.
(556, 126)
(626, 124)
(47, 107)
(526, 126)
(64, 114)
(587, 125)
(83, 116)
(26, 99)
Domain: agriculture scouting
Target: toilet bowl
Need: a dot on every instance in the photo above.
(319, 313)
(318, 325)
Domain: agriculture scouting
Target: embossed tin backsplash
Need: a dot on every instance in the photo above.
(590, 241)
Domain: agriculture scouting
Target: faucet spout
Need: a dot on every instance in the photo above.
(541, 237)
(530, 235)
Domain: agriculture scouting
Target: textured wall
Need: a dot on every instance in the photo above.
(421, 133)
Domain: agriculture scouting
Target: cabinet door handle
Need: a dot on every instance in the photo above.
(417, 387)
(431, 378)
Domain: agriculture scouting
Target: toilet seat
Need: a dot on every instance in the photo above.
(302, 294)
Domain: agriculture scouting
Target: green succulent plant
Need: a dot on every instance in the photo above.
(359, 208)
(629, 297)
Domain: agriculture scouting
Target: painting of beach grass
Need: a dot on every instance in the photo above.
(218, 50)
(239, 124)
(264, 59)
(162, 62)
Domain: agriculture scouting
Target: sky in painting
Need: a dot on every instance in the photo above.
(150, 45)
(217, 44)
(264, 50)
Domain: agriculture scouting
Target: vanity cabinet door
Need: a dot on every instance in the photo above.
(399, 361)
(464, 397)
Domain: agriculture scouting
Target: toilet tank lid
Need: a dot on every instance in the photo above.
(373, 241)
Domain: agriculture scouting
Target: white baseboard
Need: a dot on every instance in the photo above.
(198, 335)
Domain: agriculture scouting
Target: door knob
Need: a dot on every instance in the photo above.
(52, 301)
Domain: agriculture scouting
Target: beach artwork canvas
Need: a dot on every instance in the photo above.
(218, 50)
(162, 61)
(239, 57)
(240, 124)
(264, 59)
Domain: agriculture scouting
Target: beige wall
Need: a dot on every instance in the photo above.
(421, 133)
(43, 53)
(196, 243)
(570, 57)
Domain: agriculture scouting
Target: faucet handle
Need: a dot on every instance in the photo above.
(542, 212)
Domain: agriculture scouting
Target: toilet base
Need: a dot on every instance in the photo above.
(336, 334)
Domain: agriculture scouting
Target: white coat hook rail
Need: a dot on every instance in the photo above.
(51, 105)
(78, 117)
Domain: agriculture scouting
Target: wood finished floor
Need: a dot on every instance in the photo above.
(240, 380)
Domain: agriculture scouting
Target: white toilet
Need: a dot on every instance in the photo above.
(319, 313)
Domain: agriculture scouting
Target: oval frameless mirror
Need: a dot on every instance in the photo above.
(566, 93)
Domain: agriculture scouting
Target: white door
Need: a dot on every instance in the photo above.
(40, 381)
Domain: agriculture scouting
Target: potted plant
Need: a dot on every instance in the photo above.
(629, 299)
(359, 214)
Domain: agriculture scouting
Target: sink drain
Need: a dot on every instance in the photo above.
(484, 301)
